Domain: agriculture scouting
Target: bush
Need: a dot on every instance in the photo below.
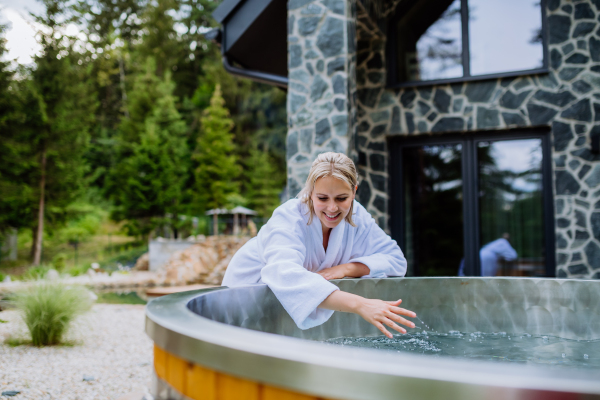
(35, 273)
(59, 261)
(48, 309)
(78, 270)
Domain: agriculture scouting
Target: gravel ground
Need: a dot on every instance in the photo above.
(112, 351)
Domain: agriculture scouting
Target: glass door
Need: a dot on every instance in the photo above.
(433, 208)
(476, 205)
(510, 207)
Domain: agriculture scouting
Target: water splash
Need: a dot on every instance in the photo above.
(524, 348)
(422, 323)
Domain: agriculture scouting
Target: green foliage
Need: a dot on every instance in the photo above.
(124, 257)
(47, 131)
(148, 183)
(59, 261)
(262, 187)
(120, 298)
(48, 309)
(84, 220)
(217, 165)
(14, 146)
(78, 269)
(36, 272)
(121, 112)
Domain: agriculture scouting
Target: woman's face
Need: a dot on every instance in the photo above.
(332, 199)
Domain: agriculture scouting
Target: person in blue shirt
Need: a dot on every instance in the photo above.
(491, 254)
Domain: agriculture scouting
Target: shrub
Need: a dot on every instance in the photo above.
(59, 261)
(78, 270)
(36, 272)
(48, 309)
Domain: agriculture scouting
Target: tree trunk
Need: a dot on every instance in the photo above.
(122, 82)
(39, 237)
(32, 250)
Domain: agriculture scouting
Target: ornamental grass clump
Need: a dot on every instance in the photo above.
(48, 309)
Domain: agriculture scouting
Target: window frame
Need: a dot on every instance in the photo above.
(392, 56)
(470, 182)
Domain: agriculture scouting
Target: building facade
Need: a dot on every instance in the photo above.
(469, 121)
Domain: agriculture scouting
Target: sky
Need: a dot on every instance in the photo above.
(20, 34)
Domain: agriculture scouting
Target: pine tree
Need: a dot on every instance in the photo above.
(217, 169)
(66, 111)
(147, 185)
(13, 150)
(262, 187)
(48, 133)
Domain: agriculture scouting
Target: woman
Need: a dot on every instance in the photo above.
(296, 254)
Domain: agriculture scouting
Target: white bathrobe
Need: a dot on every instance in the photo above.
(287, 253)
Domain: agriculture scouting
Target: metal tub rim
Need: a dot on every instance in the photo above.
(325, 370)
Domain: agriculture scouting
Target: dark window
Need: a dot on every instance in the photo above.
(432, 193)
(431, 40)
(482, 204)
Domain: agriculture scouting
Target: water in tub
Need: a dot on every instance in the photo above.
(521, 348)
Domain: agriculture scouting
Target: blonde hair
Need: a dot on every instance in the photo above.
(333, 164)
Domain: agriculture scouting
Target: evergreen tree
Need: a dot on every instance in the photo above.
(50, 135)
(13, 150)
(262, 187)
(217, 169)
(147, 185)
(160, 40)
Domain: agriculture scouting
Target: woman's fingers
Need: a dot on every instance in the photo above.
(403, 311)
(400, 320)
(394, 303)
(392, 325)
(380, 326)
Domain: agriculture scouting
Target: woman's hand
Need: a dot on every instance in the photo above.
(385, 313)
(351, 270)
(377, 312)
(337, 272)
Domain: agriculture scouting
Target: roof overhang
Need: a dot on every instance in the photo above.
(254, 39)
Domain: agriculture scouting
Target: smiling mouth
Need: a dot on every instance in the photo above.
(331, 217)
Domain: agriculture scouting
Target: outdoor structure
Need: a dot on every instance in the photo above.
(240, 214)
(469, 120)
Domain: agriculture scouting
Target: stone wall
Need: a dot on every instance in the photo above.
(321, 91)
(566, 100)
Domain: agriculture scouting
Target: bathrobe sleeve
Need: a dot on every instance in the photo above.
(299, 290)
(374, 248)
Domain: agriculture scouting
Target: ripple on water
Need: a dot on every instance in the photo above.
(524, 348)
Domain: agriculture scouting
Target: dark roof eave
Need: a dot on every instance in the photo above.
(263, 77)
(224, 9)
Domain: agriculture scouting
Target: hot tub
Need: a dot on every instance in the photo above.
(239, 343)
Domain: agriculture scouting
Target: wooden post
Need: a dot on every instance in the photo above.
(215, 224)
(236, 224)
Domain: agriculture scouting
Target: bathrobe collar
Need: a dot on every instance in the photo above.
(334, 247)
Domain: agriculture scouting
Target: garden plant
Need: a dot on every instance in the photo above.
(48, 310)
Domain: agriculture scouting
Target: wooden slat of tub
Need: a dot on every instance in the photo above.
(176, 372)
(201, 383)
(160, 362)
(230, 388)
(272, 393)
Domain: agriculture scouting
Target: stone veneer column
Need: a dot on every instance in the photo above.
(321, 61)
